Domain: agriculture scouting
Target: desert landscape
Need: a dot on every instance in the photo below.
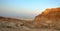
(48, 20)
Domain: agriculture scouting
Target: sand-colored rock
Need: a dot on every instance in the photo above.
(50, 18)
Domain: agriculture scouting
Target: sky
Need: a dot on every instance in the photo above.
(25, 8)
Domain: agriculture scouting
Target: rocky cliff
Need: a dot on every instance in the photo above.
(49, 18)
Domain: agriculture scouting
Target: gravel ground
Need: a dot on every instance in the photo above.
(11, 29)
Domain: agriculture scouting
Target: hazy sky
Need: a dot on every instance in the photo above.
(25, 8)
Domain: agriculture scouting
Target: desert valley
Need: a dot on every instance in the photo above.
(48, 20)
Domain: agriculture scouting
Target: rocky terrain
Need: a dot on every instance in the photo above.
(49, 20)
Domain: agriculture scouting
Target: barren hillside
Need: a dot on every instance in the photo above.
(49, 20)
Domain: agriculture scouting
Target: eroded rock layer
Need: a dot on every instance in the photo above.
(49, 18)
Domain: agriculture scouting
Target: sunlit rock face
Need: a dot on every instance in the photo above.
(49, 18)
